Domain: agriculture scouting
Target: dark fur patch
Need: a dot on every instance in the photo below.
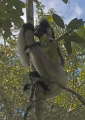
(28, 26)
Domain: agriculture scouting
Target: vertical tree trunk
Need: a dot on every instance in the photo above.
(39, 93)
(30, 18)
(29, 11)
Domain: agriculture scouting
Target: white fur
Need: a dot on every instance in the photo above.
(54, 72)
(21, 45)
(49, 32)
(27, 93)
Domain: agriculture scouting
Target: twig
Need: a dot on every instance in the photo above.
(28, 108)
(73, 28)
(80, 98)
(33, 88)
(67, 33)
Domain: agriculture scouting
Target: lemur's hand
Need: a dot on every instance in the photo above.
(28, 26)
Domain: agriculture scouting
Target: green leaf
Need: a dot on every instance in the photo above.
(75, 38)
(52, 51)
(7, 33)
(68, 47)
(15, 15)
(65, 1)
(3, 8)
(6, 27)
(75, 24)
(19, 5)
(18, 2)
(49, 17)
(4, 15)
(7, 24)
(17, 21)
(81, 32)
(44, 39)
(45, 42)
(57, 19)
(22, 4)
(50, 48)
(37, 2)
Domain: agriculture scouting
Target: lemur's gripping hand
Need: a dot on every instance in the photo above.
(28, 26)
(33, 75)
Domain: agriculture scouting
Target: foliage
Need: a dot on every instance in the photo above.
(58, 20)
(65, 1)
(10, 12)
(70, 35)
(11, 83)
(13, 76)
(81, 32)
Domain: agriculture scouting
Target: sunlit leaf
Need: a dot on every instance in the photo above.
(49, 17)
(81, 32)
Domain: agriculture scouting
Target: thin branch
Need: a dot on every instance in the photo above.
(28, 108)
(67, 33)
(33, 88)
(73, 28)
(80, 98)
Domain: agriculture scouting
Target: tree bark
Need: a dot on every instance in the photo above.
(39, 93)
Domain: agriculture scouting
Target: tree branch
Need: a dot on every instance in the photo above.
(28, 108)
(80, 98)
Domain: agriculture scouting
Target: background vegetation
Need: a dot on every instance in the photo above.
(13, 76)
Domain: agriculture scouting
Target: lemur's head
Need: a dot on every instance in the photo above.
(44, 28)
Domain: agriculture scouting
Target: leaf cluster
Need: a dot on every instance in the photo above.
(10, 12)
